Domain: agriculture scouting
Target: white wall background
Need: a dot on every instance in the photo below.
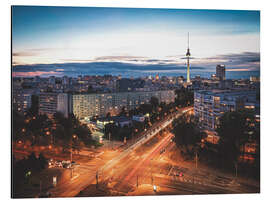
(5, 76)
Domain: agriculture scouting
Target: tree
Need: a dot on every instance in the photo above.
(186, 133)
(233, 130)
(184, 97)
(23, 169)
(33, 110)
(42, 161)
(154, 102)
(67, 127)
(19, 169)
(112, 131)
(108, 115)
(84, 134)
(59, 118)
(66, 145)
(17, 125)
(90, 89)
(38, 125)
(145, 108)
(123, 111)
(125, 131)
(33, 163)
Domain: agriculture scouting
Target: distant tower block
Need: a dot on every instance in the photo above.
(188, 56)
(220, 72)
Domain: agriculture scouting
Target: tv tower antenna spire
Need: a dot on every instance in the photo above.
(188, 40)
(188, 57)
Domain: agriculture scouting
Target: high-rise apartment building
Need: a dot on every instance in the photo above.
(89, 105)
(210, 105)
(65, 80)
(22, 99)
(63, 104)
(220, 72)
(50, 103)
(47, 103)
(52, 80)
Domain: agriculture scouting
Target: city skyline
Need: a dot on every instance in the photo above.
(71, 40)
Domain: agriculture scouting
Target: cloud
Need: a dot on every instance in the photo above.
(137, 66)
(133, 59)
(246, 61)
(125, 59)
(34, 52)
(118, 58)
(114, 68)
(245, 57)
(24, 54)
(33, 74)
(238, 69)
(77, 60)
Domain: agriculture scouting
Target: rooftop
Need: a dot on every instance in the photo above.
(217, 92)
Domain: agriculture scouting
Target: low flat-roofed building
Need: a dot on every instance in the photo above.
(120, 121)
(138, 118)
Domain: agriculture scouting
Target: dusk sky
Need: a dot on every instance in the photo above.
(55, 40)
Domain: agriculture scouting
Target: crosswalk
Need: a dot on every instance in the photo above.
(186, 180)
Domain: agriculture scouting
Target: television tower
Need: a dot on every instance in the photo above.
(188, 55)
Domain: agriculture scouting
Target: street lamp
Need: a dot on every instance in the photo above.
(74, 137)
(196, 158)
(152, 179)
(235, 165)
(49, 133)
(20, 142)
(155, 188)
(97, 179)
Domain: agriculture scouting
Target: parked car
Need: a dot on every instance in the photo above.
(73, 163)
(58, 164)
(67, 165)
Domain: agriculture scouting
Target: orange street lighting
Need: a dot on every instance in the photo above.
(48, 133)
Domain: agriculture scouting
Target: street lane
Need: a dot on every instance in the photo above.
(73, 187)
